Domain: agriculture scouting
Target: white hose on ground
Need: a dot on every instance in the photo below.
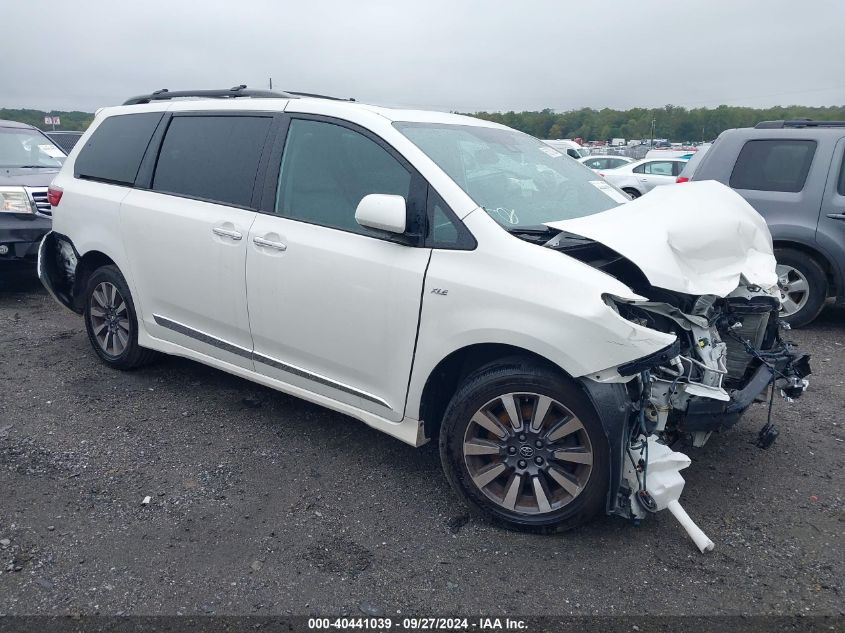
(700, 538)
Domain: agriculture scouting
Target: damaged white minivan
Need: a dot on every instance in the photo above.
(432, 275)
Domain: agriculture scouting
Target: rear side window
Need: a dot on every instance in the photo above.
(115, 149)
(656, 168)
(213, 158)
(773, 165)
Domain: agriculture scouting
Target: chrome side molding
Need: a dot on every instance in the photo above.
(265, 360)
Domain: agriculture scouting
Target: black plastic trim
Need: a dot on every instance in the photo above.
(659, 357)
(613, 406)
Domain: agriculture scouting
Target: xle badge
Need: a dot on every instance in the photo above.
(439, 291)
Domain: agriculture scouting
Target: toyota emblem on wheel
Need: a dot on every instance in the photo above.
(526, 451)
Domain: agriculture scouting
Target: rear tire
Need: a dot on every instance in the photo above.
(545, 473)
(632, 192)
(111, 321)
(803, 285)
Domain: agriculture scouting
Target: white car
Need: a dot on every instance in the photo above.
(566, 146)
(605, 161)
(640, 177)
(431, 275)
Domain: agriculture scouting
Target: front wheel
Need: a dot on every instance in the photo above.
(524, 447)
(632, 192)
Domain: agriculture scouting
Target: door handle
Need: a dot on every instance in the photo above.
(260, 241)
(836, 216)
(235, 235)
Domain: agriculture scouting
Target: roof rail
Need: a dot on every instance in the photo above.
(316, 96)
(235, 92)
(769, 125)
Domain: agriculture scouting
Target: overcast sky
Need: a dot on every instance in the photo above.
(465, 55)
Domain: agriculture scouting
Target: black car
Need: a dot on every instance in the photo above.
(65, 139)
(28, 163)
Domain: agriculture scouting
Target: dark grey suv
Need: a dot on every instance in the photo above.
(792, 173)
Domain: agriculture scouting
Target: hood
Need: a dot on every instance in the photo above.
(15, 176)
(697, 237)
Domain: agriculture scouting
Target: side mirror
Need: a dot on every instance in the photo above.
(383, 212)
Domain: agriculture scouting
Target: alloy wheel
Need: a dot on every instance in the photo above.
(109, 319)
(794, 289)
(528, 453)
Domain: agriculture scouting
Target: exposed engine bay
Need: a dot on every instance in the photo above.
(728, 353)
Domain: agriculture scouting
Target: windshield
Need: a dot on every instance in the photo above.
(20, 147)
(517, 179)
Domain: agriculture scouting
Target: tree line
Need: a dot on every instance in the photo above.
(69, 120)
(672, 122)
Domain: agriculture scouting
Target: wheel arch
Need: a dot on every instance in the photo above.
(88, 263)
(611, 402)
(447, 375)
(65, 272)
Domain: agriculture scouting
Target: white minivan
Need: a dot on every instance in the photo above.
(431, 275)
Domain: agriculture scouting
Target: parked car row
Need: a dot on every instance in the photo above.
(639, 177)
(65, 139)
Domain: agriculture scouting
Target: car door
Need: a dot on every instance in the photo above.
(186, 231)
(831, 227)
(655, 173)
(334, 306)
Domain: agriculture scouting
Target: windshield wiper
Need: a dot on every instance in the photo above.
(538, 229)
(565, 240)
(538, 233)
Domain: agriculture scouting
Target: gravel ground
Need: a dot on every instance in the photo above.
(263, 504)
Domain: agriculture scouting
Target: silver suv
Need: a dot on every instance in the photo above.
(793, 174)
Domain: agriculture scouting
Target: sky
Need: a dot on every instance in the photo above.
(460, 55)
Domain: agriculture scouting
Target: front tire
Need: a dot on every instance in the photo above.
(111, 321)
(524, 447)
(803, 286)
(632, 192)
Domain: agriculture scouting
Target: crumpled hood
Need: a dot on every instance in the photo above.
(695, 237)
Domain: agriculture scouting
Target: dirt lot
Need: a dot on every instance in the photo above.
(264, 504)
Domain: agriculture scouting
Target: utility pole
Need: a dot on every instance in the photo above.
(271, 83)
(653, 121)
